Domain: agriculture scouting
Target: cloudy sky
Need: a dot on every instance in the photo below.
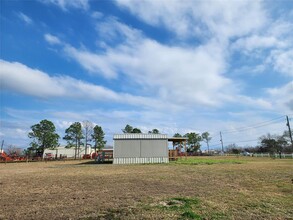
(178, 66)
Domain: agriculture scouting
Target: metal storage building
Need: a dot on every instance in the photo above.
(140, 148)
(67, 152)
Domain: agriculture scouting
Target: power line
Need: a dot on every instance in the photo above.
(258, 125)
(235, 142)
(246, 128)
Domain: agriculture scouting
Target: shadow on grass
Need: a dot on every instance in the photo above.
(93, 162)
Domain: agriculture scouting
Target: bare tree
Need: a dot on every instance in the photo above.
(87, 131)
(13, 150)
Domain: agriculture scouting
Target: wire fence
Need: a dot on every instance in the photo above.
(282, 155)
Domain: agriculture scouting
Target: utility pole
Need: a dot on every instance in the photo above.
(2, 146)
(222, 142)
(290, 134)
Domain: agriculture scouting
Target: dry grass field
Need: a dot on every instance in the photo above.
(200, 188)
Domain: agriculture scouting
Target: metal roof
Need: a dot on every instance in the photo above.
(128, 136)
(174, 139)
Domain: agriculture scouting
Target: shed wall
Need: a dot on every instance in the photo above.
(128, 151)
(127, 148)
(154, 148)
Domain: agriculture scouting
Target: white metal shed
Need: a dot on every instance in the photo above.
(140, 148)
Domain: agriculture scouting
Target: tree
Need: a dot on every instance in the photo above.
(154, 131)
(206, 138)
(87, 131)
(273, 143)
(73, 136)
(233, 149)
(44, 136)
(29, 152)
(177, 135)
(127, 129)
(130, 129)
(32, 150)
(179, 143)
(136, 130)
(98, 137)
(193, 141)
(286, 137)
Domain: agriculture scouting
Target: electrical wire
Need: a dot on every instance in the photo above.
(258, 125)
(246, 128)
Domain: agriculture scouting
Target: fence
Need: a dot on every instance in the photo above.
(286, 156)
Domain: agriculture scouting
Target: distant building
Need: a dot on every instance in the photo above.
(67, 152)
(140, 148)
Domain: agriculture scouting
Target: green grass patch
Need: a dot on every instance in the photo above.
(190, 215)
(207, 161)
(182, 206)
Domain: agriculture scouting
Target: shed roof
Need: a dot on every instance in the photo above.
(128, 136)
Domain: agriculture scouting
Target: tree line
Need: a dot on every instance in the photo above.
(85, 134)
(193, 139)
(78, 134)
(269, 143)
(44, 136)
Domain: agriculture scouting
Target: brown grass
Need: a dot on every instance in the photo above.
(255, 189)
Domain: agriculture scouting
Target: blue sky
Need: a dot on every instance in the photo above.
(178, 66)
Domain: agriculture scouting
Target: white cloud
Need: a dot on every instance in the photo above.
(91, 62)
(97, 15)
(187, 77)
(282, 96)
(258, 42)
(66, 4)
(20, 78)
(261, 103)
(271, 47)
(282, 61)
(280, 28)
(62, 124)
(25, 18)
(217, 18)
(174, 74)
(112, 29)
(51, 39)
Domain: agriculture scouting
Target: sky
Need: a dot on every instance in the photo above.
(178, 66)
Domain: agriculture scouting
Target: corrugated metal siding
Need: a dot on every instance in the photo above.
(139, 136)
(153, 148)
(142, 160)
(127, 148)
(140, 148)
